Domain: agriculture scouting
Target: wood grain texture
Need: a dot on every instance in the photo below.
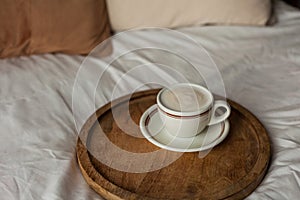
(232, 170)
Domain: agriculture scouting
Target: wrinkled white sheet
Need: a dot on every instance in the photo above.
(260, 68)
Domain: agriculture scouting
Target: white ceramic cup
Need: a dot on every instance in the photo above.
(186, 109)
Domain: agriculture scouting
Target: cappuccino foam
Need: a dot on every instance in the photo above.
(185, 99)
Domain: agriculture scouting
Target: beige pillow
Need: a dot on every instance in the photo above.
(128, 14)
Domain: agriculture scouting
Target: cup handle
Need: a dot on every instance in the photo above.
(217, 119)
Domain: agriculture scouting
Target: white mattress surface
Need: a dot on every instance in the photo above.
(260, 67)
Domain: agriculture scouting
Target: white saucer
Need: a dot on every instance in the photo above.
(153, 130)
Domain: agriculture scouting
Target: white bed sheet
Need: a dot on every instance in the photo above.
(260, 68)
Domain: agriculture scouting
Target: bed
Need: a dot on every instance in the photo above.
(260, 68)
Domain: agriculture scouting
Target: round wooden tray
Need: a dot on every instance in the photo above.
(231, 170)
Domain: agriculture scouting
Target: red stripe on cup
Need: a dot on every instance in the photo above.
(189, 117)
